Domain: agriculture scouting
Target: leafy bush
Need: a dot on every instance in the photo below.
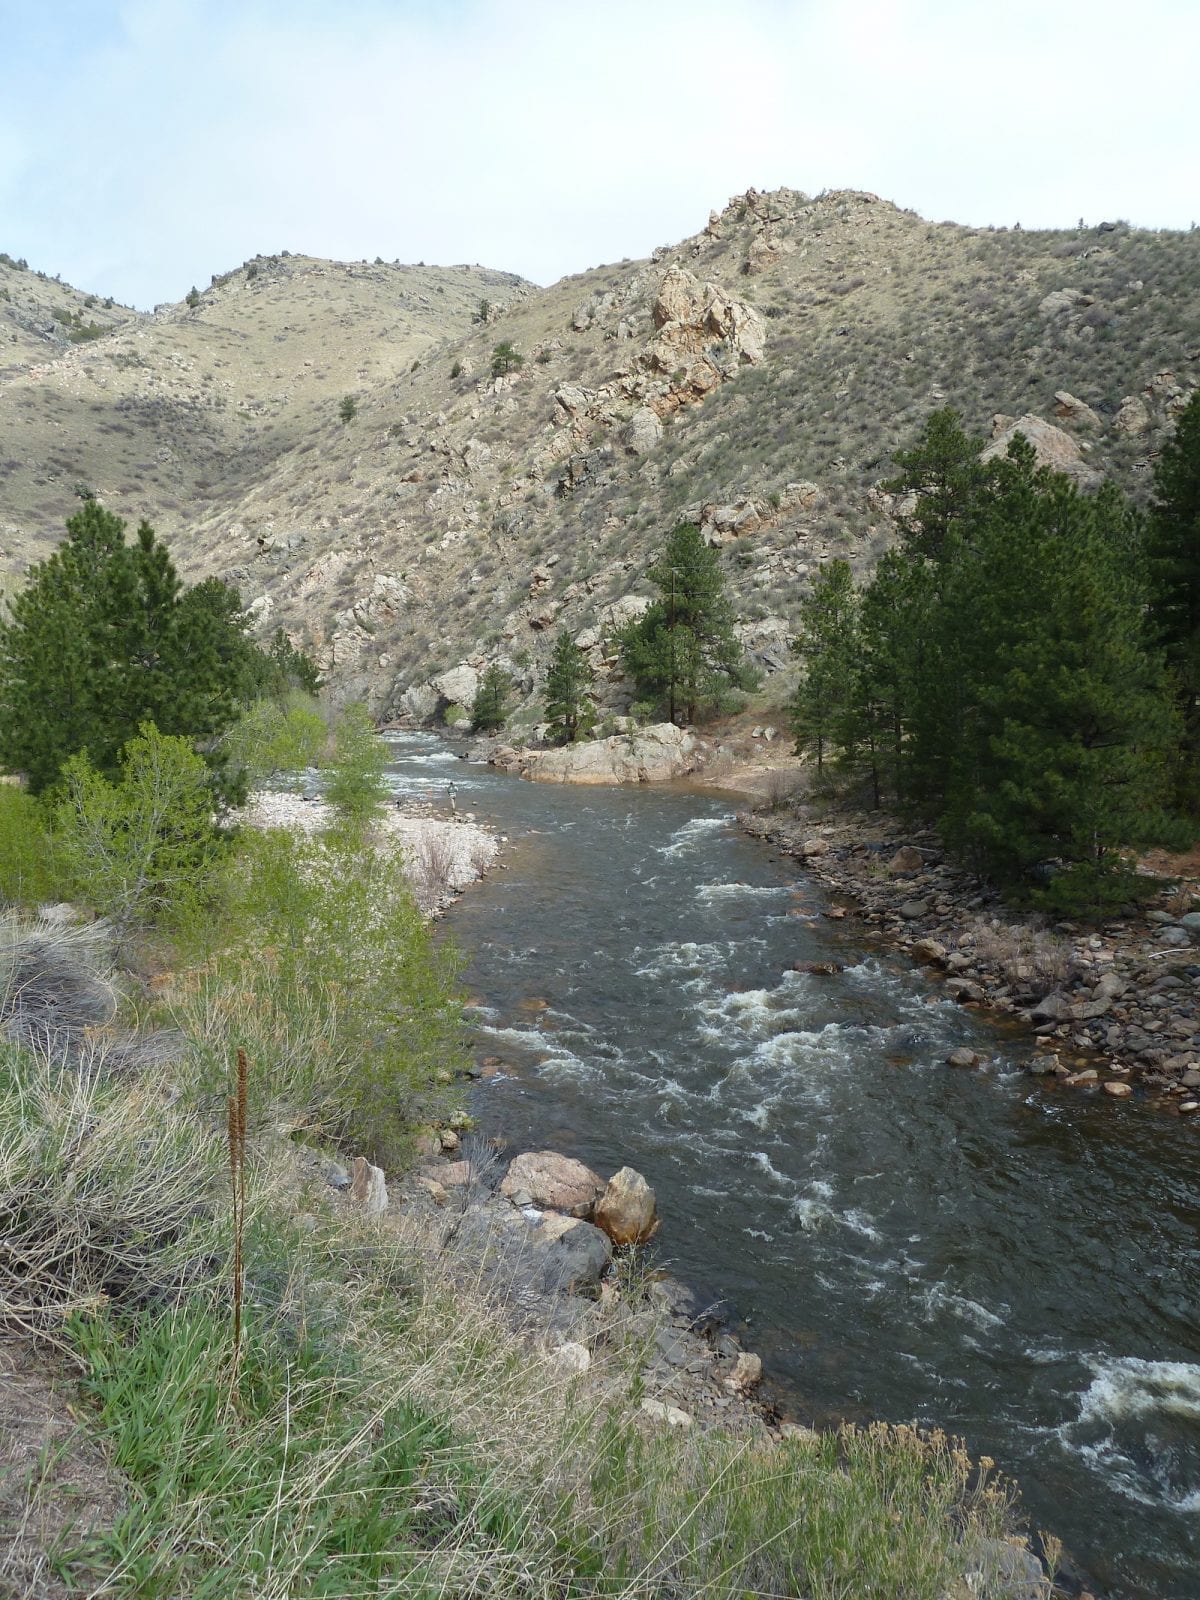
(143, 849)
(275, 736)
(328, 977)
(28, 871)
(355, 785)
(348, 409)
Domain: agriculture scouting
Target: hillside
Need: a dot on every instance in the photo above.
(172, 414)
(755, 377)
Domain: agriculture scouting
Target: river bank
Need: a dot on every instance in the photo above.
(1111, 1008)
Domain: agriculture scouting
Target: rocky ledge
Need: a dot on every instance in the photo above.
(650, 755)
(1110, 1007)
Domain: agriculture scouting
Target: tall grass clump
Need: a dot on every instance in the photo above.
(328, 976)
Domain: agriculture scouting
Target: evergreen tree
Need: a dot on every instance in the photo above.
(568, 682)
(103, 638)
(1173, 557)
(944, 473)
(683, 652)
(506, 358)
(1062, 748)
(828, 643)
(489, 708)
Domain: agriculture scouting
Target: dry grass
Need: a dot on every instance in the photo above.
(1028, 958)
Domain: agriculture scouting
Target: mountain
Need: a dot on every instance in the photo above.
(755, 378)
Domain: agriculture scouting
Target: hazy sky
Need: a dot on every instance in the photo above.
(148, 144)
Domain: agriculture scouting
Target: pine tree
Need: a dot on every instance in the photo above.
(683, 653)
(944, 473)
(1173, 558)
(103, 638)
(568, 681)
(828, 644)
(489, 708)
(1062, 748)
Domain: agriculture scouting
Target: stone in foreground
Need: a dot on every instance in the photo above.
(626, 1211)
(553, 1183)
(368, 1187)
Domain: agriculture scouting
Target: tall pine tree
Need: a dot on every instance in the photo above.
(1173, 555)
(568, 683)
(683, 653)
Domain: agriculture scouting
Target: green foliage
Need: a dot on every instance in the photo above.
(1173, 554)
(192, 298)
(355, 774)
(997, 672)
(682, 653)
(105, 637)
(456, 370)
(489, 708)
(281, 668)
(944, 473)
(29, 872)
(568, 683)
(348, 409)
(483, 311)
(296, 1472)
(143, 850)
(327, 974)
(506, 358)
(274, 736)
(828, 642)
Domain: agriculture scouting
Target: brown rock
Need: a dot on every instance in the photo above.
(908, 859)
(626, 1210)
(368, 1187)
(554, 1182)
(747, 1371)
(1052, 447)
(1117, 1089)
(962, 1057)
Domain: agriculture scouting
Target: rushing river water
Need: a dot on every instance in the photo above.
(1018, 1263)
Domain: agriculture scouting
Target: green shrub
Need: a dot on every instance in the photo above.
(328, 977)
(355, 785)
(275, 736)
(143, 850)
(28, 872)
(348, 409)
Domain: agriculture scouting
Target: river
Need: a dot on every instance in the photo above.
(1015, 1262)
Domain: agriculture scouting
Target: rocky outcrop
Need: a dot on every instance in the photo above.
(651, 755)
(1053, 448)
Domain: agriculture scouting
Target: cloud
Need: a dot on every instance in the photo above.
(174, 138)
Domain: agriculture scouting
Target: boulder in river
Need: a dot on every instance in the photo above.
(626, 1210)
(554, 1182)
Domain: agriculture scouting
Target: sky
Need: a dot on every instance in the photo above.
(146, 145)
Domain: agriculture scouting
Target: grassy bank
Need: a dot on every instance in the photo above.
(379, 1426)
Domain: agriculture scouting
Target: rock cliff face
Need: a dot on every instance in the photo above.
(754, 378)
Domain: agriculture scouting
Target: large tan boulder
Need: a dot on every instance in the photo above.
(626, 1211)
(651, 755)
(553, 1183)
(1052, 446)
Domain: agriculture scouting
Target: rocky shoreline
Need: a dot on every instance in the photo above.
(1113, 1009)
